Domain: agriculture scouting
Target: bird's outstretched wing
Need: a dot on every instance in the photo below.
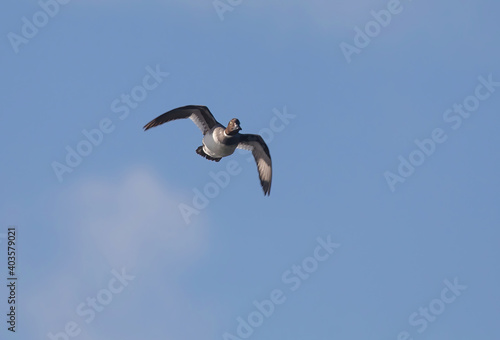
(200, 115)
(260, 152)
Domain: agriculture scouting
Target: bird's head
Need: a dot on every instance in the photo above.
(233, 127)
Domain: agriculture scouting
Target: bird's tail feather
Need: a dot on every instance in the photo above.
(202, 153)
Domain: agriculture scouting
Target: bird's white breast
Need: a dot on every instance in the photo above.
(215, 148)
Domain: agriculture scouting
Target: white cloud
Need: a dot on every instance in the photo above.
(131, 222)
(133, 219)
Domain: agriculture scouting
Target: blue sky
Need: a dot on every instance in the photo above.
(337, 251)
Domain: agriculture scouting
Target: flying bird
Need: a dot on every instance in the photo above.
(219, 141)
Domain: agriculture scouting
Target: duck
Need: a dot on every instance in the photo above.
(220, 141)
